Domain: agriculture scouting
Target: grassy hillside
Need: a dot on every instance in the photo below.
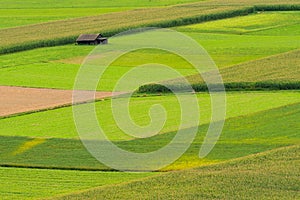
(245, 133)
(56, 67)
(278, 68)
(13, 17)
(54, 33)
(62, 32)
(18, 183)
(247, 37)
(257, 155)
(9, 4)
(252, 24)
(270, 175)
(13, 14)
(62, 122)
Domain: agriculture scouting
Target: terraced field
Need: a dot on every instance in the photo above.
(257, 154)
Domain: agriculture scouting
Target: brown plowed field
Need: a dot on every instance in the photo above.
(19, 99)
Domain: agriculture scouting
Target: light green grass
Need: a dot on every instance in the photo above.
(286, 30)
(267, 33)
(59, 123)
(20, 17)
(54, 33)
(56, 67)
(260, 23)
(18, 183)
(278, 68)
(229, 49)
(105, 23)
(87, 3)
(247, 131)
(13, 14)
(43, 55)
(270, 175)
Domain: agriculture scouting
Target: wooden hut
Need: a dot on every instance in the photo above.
(91, 39)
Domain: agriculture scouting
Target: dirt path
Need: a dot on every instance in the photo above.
(19, 99)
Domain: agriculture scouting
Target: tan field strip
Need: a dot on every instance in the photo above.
(15, 100)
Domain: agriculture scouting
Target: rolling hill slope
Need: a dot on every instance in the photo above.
(66, 31)
(268, 175)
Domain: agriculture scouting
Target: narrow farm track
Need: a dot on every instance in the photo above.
(19, 99)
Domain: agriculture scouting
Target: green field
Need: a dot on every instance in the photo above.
(13, 14)
(19, 17)
(28, 4)
(62, 124)
(257, 155)
(261, 23)
(248, 129)
(66, 31)
(247, 38)
(278, 68)
(56, 67)
(270, 175)
(53, 33)
(18, 183)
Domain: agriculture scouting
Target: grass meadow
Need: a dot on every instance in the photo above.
(66, 31)
(10, 4)
(20, 183)
(261, 23)
(56, 67)
(253, 177)
(62, 124)
(14, 14)
(55, 32)
(14, 17)
(249, 128)
(257, 154)
(277, 68)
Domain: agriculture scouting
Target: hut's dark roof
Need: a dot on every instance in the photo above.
(87, 37)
